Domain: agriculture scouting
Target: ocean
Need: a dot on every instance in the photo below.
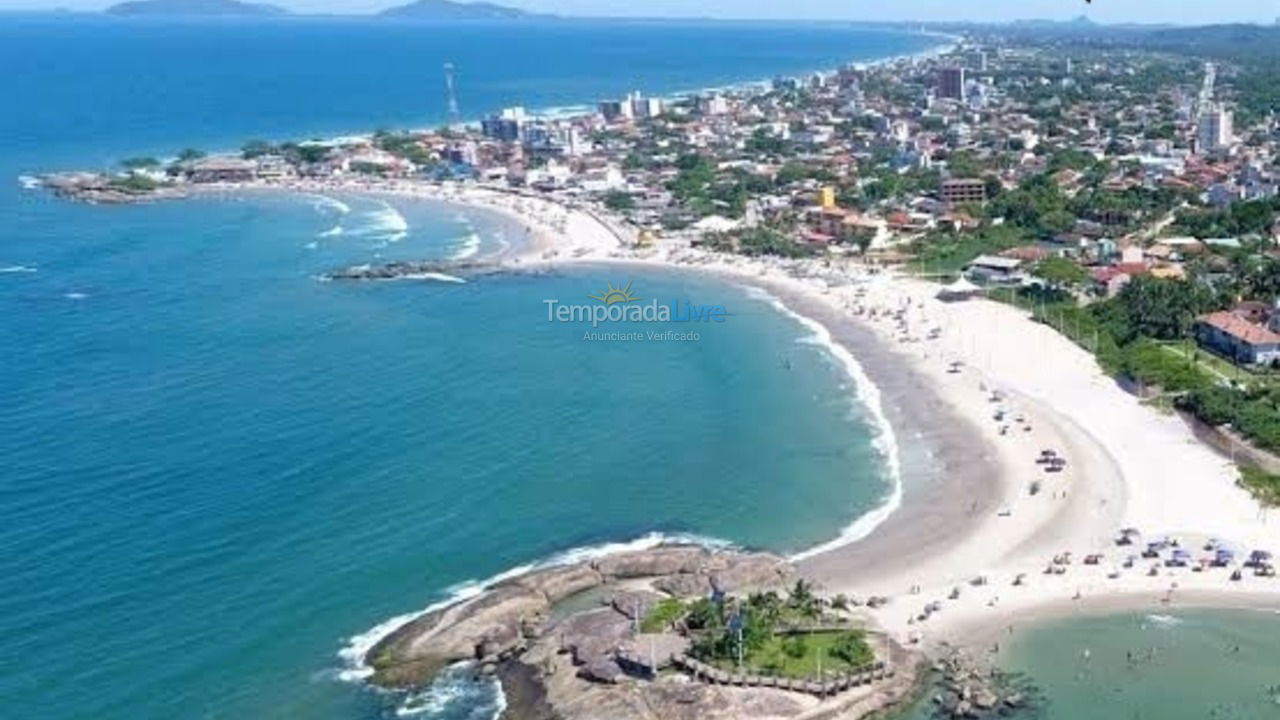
(222, 474)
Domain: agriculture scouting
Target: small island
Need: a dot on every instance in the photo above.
(445, 10)
(194, 8)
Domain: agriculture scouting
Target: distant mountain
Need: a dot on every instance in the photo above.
(173, 8)
(1228, 40)
(448, 10)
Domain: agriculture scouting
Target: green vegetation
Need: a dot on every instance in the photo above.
(1264, 486)
(1060, 273)
(140, 163)
(775, 638)
(1253, 410)
(133, 184)
(403, 145)
(190, 154)
(256, 148)
(662, 616)
(946, 253)
(805, 655)
(306, 154)
(1242, 219)
(619, 201)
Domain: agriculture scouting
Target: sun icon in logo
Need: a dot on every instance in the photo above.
(615, 295)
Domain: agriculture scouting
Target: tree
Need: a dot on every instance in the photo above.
(852, 648)
(256, 148)
(189, 154)
(618, 201)
(1060, 273)
(139, 163)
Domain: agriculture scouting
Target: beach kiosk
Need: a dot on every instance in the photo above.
(959, 290)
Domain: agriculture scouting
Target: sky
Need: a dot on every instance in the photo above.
(1107, 11)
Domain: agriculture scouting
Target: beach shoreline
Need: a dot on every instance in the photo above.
(964, 510)
(976, 518)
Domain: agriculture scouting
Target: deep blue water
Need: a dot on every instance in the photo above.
(217, 469)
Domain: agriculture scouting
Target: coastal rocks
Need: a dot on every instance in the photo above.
(505, 619)
(970, 691)
(96, 188)
(405, 269)
(654, 563)
(692, 571)
(487, 626)
(559, 583)
(634, 604)
(592, 635)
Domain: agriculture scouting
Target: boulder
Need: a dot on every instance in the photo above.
(486, 626)
(559, 583)
(592, 635)
(634, 604)
(685, 585)
(659, 561)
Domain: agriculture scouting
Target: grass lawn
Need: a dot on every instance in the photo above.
(1218, 366)
(800, 656)
(662, 616)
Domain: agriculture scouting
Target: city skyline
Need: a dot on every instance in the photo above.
(1103, 11)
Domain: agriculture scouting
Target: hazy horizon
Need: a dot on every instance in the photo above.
(1102, 11)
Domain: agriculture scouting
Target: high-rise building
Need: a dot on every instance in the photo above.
(643, 107)
(714, 104)
(951, 83)
(1214, 131)
(507, 125)
(614, 110)
(980, 61)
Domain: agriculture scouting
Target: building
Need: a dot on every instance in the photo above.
(992, 269)
(645, 108)
(951, 81)
(616, 110)
(1234, 336)
(507, 125)
(963, 190)
(223, 169)
(1214, 130)
(827, 197)
(714, 104)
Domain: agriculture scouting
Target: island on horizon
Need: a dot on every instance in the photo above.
(433, 10)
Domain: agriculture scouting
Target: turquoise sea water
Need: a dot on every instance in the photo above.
(218, 470)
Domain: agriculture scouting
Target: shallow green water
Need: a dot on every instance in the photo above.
(1184, 665)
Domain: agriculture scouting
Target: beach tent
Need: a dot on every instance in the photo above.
(961, 289)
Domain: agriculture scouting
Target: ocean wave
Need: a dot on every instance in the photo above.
(28, 182)
(17, 269)
(457, 693)
(353, 653)
(469, 246)
(332, 232)
(385, 223)
(1164, 621)
(439, 277)
(75, 296)
(324, 202)
(868, 395)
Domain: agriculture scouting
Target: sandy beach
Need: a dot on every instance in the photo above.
(974, 392)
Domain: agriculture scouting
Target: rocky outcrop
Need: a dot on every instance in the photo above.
(487, 627)
(559, 583)
(407, 269)
(501, 622)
